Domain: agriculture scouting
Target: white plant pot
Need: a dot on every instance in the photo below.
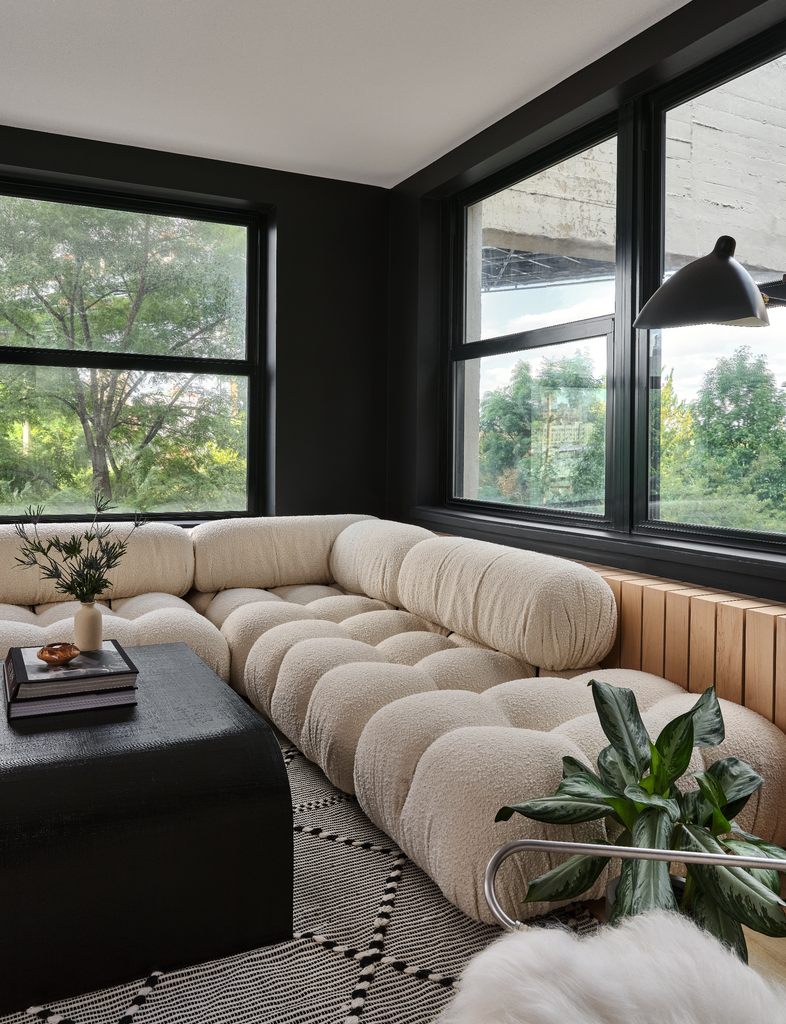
(88, 627)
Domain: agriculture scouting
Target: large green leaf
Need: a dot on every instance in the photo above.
(566, 881)
(767, 876)
(715, 797)
(737, 780)
(708, 727)
(571, 765)
(622, 724)
(776, 852)
(580, 796)
(615, 771)
(623, 900)
(590, 787)
(675, 746)
(710, 917)
(640, 796)
(584, 784)
(694, 808)
(559, 809)
(645, 884)
(734, 890)
(711, 788)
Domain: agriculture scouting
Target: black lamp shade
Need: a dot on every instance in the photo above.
(715, 289)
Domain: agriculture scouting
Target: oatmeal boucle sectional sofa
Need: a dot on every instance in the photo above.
(437, 678)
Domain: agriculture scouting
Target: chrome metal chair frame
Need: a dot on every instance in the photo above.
(595, 849)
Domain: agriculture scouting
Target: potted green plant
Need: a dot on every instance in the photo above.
(636, 787)
(79, 565)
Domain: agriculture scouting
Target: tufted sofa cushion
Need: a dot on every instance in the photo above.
(147, 619)
(366, 557)
(160, 558)
(432, 770)
(323, 699)
(543, 610)
(275, 552)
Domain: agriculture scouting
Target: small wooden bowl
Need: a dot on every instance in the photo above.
(58, 654)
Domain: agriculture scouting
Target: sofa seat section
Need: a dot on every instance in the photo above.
(433, 769)
(144, 606)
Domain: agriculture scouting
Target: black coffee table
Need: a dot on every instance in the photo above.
(140, 838)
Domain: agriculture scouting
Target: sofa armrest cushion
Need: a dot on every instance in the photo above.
(159, 558)
(366, 557)
(266, 552)
(540, 609)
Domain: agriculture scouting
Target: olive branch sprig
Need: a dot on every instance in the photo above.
(83, 560)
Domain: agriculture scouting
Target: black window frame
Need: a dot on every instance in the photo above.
(253, 367)
(639, 125)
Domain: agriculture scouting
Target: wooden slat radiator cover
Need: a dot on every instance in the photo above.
(696, 637)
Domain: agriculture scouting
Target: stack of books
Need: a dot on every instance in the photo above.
(94, 679)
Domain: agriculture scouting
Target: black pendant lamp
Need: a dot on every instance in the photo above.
(715, 289)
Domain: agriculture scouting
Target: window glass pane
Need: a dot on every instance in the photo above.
(718, 398)
(533, 429)
(542, 252)
(155, 442)
(85, 278)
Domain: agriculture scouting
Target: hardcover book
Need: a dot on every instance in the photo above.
(67, 702)
(27, 677)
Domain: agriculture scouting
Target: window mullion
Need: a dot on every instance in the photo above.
(90, 359)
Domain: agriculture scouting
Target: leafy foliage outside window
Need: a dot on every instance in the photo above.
(543, 436)
(722, 457)
(89, 280)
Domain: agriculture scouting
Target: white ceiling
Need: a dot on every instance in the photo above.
(364, 90)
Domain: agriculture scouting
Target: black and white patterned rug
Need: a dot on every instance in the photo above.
(375, 941)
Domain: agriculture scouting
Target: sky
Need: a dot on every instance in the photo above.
(529, 309)
(690, 351)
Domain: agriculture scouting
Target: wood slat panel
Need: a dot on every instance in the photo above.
(653, 625)
(780, 673)
(631, 625)
(612, 659)
(703, 639)
(730, 648)
(698, 637)
(759, 692)
(677, 648)
(614, 578)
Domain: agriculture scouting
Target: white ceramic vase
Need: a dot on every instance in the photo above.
(88, 627)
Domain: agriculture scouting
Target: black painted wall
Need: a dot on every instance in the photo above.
(327, 444)
(419, 332)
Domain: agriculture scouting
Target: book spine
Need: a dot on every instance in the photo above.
(11, 677)
(74, 702)
(123, 654)
(7, 689)
(71, 687)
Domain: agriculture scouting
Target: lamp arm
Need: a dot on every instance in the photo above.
(595, 849)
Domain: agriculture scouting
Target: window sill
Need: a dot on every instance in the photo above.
(739, 570)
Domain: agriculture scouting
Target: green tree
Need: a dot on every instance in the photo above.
(85, 280)
(505, 434)
(740, 412)
(740, 434)
(565, 384)
(588, 475)
(722, 458)
(521, 459)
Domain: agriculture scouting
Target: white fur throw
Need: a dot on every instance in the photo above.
(657, 968)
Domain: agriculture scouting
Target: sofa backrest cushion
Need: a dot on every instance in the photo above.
(366, 557)
(544, 610)
(266, 552)
(159, 559)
